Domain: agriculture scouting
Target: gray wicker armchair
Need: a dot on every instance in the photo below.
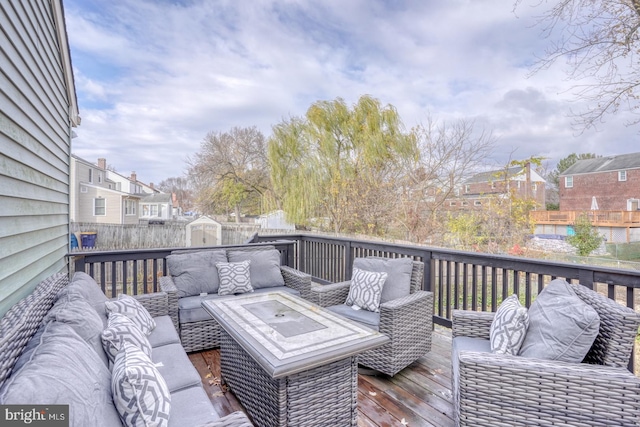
(407, 321)
(500, 390)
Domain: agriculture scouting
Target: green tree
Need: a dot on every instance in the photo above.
(340, 163)
(230, 172)
(586, 238)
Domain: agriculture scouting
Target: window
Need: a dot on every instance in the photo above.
(493, 185)
(100, 177)
(464, 204)
(83, 189)
(519, 185)
(153, 210)
(477, 203)
(130, 207)
(90, 175)
(467, 188)
(452, 203)
(568, 181)
(622, 175)
(99, 207)
(534, 186)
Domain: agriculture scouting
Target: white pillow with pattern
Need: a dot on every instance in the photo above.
(235, 277)
(366, 289)
(131, 307)
(509, 327)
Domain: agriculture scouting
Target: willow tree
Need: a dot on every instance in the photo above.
(340, 164)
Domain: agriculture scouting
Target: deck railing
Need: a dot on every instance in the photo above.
(458, 279)
(598, 217)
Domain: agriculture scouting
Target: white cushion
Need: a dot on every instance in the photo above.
(135, 311)
(235, 277)
(120, 331)
(366, 289)
(140, 394)
(509, 327)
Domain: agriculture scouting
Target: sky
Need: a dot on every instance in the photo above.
(154, 77)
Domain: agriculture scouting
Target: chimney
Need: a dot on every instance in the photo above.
(151, 185)
(134, 177)
(102, 163)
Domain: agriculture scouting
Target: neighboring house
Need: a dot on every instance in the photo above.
(101, 196)
(605, 183)
(38, 110)
(157, 206)
(522, 180)
(275, 220)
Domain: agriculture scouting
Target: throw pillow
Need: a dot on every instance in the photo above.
(509, 327)
(194, 273)
(561, 325)
(135, 311)
(139, 392)
(122, 330)
(235, 277)
(365, 289)
(398, 283)
(265, 266)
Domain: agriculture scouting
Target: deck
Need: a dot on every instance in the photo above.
(420, 395)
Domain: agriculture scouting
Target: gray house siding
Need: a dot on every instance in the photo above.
(37, 110)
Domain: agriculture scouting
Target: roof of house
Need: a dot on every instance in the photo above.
(494, 175)
(157, 198)
(604, 164)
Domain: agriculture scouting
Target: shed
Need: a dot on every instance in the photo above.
(275, 220)
(204, 231)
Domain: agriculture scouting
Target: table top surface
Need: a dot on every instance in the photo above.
(286, 334)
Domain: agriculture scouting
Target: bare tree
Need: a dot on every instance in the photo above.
(600, 43)
(182, 190)
(449, 153)
(230, 171)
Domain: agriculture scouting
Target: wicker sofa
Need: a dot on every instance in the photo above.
(407, 320)
(47, 359)
(500, 389)
(198, 330)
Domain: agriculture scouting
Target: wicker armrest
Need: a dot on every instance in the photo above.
(156, 303)
(297, 280)
(167, 286)
(472, 324)
(234, 419)
(331, 294)
(511, 389)
(403, 315)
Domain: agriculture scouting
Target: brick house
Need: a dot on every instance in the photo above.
(522, 180)
(606, 183)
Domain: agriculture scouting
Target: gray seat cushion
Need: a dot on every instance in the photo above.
(85, 287)
(175, 367)
(264, 268)
(398, 283)
(64, 369)
(164, 333)
(370, 319)
(191, 407)
(194, 273)
(190, 308)
(561, 325)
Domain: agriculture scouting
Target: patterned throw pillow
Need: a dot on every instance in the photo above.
(135, 311)
(139, 392)
(509, 327)
(366, 289)
(120, 331)
(235, 277)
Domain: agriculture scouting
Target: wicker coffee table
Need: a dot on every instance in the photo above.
(289, 362)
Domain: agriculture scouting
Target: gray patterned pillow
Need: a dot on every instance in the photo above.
(139, 392)
(235, 277)
(135, 311)
(509, 327)
(120, 331)
(366, 289)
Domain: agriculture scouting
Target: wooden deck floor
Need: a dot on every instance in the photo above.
(420, 395)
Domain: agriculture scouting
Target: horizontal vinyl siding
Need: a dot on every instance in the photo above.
(35, 150)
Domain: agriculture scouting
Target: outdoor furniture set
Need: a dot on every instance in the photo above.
(561, 362)
(113, 362)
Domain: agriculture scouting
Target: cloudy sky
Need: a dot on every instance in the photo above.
(153, 77)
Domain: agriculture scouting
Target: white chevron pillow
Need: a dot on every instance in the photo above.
(139, 392)
(131, 307)
(509, 327)
(366, 289)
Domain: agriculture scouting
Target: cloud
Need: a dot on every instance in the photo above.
(154, 77)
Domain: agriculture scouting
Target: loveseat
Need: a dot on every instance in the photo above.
(194, 277)
(53, 351)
